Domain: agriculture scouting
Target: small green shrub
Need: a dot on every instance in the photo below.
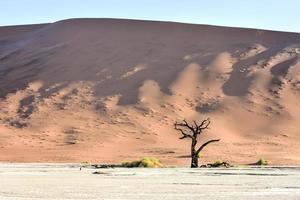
(262, 162)
(148, 162)
(151, 162)
(217, 163)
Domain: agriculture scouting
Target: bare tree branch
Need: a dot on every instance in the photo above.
(197, 127)
(205, 123)
(184, 135)
(205, 144)
(186, 124)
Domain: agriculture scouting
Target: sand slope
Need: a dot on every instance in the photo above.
(105, 90)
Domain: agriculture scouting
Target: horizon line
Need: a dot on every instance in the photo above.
(150, 20)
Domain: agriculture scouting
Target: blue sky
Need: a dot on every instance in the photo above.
(267, 14)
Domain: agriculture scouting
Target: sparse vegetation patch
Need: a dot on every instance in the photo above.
(218, 163)
(262, 162)
(148, 162)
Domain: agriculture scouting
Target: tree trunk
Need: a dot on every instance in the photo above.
(194, 163)
(194, 156)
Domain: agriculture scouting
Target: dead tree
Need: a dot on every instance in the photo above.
(192, 132)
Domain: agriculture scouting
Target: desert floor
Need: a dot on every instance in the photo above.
(61, 181)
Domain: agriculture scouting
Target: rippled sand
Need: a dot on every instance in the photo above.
(55, 181)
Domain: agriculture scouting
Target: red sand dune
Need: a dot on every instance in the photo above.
(105, 90)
